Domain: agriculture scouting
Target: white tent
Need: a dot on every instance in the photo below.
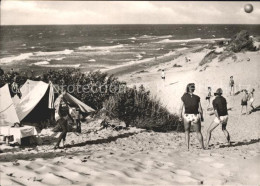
(36, 103)
(8, 115)
(36, 96)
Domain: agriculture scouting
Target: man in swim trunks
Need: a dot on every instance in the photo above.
(220, 109)
(191, 113)
(244, 101)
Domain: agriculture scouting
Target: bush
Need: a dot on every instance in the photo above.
(241, 41)
(134, 107)
(137, 108)
(208, 58)
(92, 88)
(226, 55)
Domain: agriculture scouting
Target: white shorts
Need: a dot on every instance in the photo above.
(223, 120)
(194, 118)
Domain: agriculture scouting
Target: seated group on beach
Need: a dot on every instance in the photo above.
(191, 113)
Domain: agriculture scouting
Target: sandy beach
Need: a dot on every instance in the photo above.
(139, 157)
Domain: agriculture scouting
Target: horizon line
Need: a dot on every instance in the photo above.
(131, 24)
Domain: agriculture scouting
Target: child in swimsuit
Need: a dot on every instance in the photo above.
(208, 96)
(252, 99)
(244, 101)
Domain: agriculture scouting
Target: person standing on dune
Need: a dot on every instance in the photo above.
(252, 99)
(208, 97)
(232, 85)
(220, 110)
(63, 123)
(191, 113)
(244, 101)
(163, 75)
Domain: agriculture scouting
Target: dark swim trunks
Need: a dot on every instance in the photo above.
(243, 103)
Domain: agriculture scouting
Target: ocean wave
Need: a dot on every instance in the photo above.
(41, 63)
(100, 48)
(58, 65)
(132, 38)
(92, 60)
(59, 58)
(179, 41)
(181, 49)
(190, 40)
(64, 52)
(15, 58)
(155, 37)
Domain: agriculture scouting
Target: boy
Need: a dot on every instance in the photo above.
(244, 101)
(220, 109)
(208, 96)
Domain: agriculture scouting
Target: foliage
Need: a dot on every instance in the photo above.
(208, 58)
(137, 108)
(134, 107)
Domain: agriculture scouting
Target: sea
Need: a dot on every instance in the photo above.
(103, 47)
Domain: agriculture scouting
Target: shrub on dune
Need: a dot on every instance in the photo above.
(137, 108)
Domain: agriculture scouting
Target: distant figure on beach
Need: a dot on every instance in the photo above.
(231, 84)
(1, 71)
(220, 110)
(63, 123)
(251, 99)
(163, 75)
(244, 101)
(187, 59)
(11, 71)
(208, 96)
(191, 113)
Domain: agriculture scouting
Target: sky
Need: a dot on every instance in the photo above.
(126, 12)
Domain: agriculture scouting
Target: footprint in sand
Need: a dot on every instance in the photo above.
(183, 176)
(182, 172)
(217, 165)
(206, 159)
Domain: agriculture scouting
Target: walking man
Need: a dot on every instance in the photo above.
(220, 110)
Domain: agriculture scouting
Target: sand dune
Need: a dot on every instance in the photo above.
(137, 157)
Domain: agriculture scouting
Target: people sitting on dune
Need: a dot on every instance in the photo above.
(192, 115)
(244, 101)
(232, 85)
(251, 99)
(220, 110)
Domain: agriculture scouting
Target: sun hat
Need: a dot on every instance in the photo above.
(219, 91)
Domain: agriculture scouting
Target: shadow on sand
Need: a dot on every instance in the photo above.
(256, 109)
(51, 153)
(236, 144)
